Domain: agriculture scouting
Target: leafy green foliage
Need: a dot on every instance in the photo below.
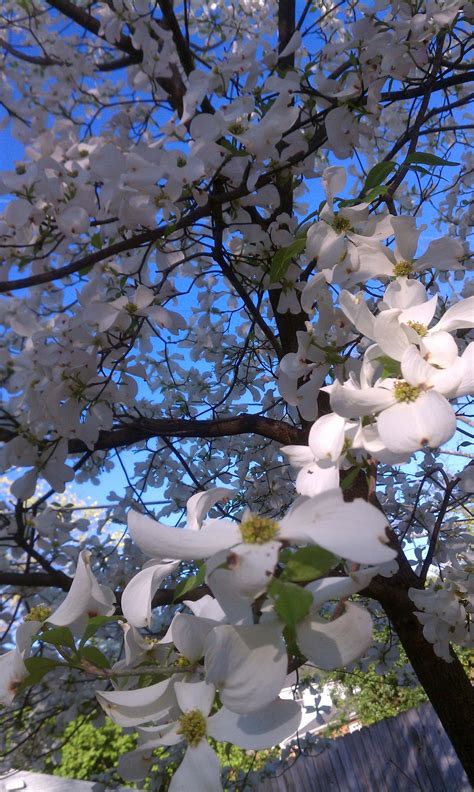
(374, 696)
(93, 655)
(89, 751)
(391, 368)
(292, 603)
(307, 563)
(190, 582)
(282, 258)
(349, 478)
(377, 175)
(94, 624)
(425, 158)
(37, 667)
(59, 637)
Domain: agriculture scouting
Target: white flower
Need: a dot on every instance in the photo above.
(319, 460)
(395, 329)
(73, 221)
(336, 236)
(247, 665)
(336, 643)
(12, 667)
(120, 312)
(377, 261)
(139, 592)
(411, 412)
(200, 770)
(242, 557)
(85, 598)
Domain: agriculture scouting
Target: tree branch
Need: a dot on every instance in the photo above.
(34, 580)
(145, 428)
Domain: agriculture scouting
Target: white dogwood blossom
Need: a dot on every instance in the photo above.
(236, 365)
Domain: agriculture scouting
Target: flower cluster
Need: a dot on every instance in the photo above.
(220, 246)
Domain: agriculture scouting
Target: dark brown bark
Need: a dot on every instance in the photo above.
(446, 684)
(141, 429)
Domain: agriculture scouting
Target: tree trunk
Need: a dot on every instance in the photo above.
(446, 684)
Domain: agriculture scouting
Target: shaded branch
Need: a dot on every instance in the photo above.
(146, 428)
(34, 580)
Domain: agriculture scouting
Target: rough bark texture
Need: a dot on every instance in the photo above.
(446, 684)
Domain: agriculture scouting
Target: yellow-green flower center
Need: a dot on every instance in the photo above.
(152, 643)
(347, 445)
(38, 613)
(405, 392)
(341, 224)
(182, 662)
(192, 725)
(131, 308)
(402, 269)
(258, 530)
(419, 328)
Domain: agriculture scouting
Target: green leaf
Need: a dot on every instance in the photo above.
(95, 623)
(377, 175)
(59, 636)
(373, 194)
(94, 656)
(419, 169)
(368, 198)
(37, 667)
(424, 158)
(190, 582)
(96, 241)
(292, 603)
(308, 563)
(232, 149)
(348, 480)
(391, 368)
(282, 258)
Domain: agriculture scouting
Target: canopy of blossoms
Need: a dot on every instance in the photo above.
(235, 299)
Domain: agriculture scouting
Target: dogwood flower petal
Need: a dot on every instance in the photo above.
(138, 594)
(195, 695)
(422, 313)
(335, 643)
(298, 455)
(418, 372)
(200, 771)
(326, 437)
(356, 310)
(161, 541)
(236, 606)
(460, 315)
(256, 730)
(466, 385)
(389, 334)
(12, 667)
(439, 349)
(189, 633)
(247, 571)
(248, 665)
(134, 707)
(407, 427)
(329, 588)
(85, 598)
(199, 504)
(406, 292)
(353, 402)
(207, 608)
(355, 530)
(317, 478)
